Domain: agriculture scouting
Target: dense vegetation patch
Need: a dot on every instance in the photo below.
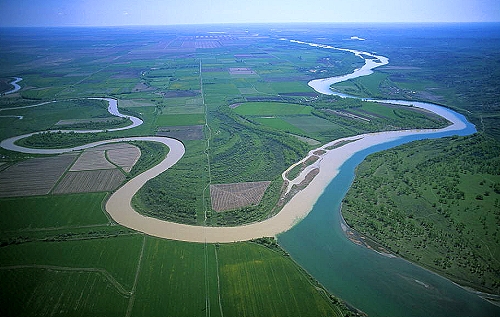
(329, 117)
(152, 153)
(61, 140)
(178, 193)
(435, 202)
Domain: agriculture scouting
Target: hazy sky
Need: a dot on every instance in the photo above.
(164, 12)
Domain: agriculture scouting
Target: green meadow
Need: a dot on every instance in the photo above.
(31, 213)
(146, 276)
(272, 108)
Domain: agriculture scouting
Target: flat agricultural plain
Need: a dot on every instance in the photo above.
(122, 154)
(90, 160)
(62, 255)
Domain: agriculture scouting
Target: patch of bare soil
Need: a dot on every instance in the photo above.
(35, 176)
(183, 133)
(90, 181)
(237, 195)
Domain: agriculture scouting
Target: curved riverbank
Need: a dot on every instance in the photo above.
(119, 204)
(377, 284)
(16, 86)
(322, 85)
(10, 143)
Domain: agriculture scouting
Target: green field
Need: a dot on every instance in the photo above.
(279, 124)
(177, 279)
(271, 108)
(46, 116)
(180, 119)
(111, 255)
(58, 292)
(155, 277)
(31, 213)
(311, 124)
(367, 86)
(266, 272)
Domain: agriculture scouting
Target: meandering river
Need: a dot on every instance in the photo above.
(376, 284)
(16, 86)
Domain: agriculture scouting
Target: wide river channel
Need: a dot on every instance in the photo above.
(374, 283)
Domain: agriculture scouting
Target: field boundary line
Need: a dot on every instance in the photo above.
(84, 79)
(218, 281)
(57, 228)
(111, 221)
(105, 273)
(115, 165)
(63, 175)
(205, 207)
(132, 292)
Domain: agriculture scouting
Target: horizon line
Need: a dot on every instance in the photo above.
(254, 23)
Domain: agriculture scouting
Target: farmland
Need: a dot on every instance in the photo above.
(90, 181)
(153, 277)
(34, 177)
(234, 196)
(51, 212)
(241, 105)
(271, 108)
(94, 170)
(183, 133)
(62, 238)
(108, 156)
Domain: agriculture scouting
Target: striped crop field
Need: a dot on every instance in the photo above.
(35, 176)
(107, 156)
(91, 159)
(53, 291)
(242, 279)
(70, 278)
(177, 280)
(272, 108)
(115, 258)
(256, 281)
(51, 211)
(237, 195)
(90, 181)
(122, 154)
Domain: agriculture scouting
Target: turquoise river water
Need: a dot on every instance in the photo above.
(376, 284)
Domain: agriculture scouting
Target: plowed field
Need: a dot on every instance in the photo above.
(237, 195)
(104, 156)
(90, 181)
(34, 176)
